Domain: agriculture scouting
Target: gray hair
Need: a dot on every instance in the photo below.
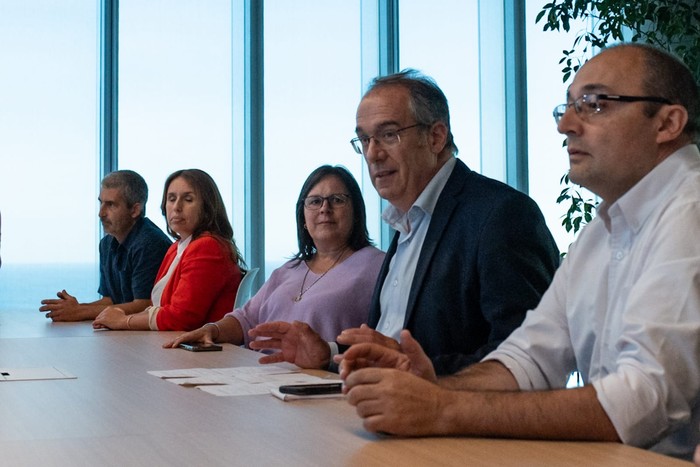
(132, 186)
(427, 102)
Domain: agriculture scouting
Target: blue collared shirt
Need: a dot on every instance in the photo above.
(128, 270)
(412, 227)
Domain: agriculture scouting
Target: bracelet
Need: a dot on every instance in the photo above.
(218, 329)
(128, 318)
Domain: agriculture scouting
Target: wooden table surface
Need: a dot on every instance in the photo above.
(115, 413)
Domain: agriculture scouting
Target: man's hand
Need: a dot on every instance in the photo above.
(67, 308)
(411, 358)
(297, 343)
(365, 334)
(111, 317)
(64, 308)
(397, 402)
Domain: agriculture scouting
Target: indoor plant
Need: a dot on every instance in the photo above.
(671, 24)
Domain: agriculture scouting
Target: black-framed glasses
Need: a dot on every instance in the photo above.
(387, 138)
(593, 104)
(336, 200)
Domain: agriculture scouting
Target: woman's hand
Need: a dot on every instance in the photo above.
(202, 335)
(297, 343)
(111, 317)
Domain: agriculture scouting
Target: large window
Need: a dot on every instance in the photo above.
(175, 92)
(179, 85)
(445, 47)
(48, 148)
(548, 159)
(312, 76)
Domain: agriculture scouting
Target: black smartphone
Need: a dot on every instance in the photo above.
(194, 347)
(312, 389)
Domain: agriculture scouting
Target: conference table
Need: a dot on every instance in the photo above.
(115, 413)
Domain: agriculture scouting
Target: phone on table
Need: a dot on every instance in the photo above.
(194, 347)
(312, 389)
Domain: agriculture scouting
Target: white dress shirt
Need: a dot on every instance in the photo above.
(624, 310)
(158, 288)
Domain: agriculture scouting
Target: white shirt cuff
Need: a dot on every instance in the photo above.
(152, 314)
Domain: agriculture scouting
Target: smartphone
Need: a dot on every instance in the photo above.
(311, 389)
(194, 347)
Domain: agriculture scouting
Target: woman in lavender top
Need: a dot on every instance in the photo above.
(329, 282)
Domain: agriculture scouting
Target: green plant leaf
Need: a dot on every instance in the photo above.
(671, 24)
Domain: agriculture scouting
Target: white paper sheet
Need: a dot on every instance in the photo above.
(30, 374)
(237, 381)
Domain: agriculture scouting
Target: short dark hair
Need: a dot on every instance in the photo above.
(667, 76)
(132, 186)
(213, 217)
(359, 237)
(427, 102)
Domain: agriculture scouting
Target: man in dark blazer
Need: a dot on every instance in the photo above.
(486, 259)
(470, 256)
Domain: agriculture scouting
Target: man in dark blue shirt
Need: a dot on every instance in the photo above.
(130, 253)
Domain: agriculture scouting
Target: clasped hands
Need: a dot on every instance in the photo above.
(391, 384)
(61, 308)
(406, 356)
(393, 390)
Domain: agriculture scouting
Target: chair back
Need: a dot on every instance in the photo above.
(245, 288)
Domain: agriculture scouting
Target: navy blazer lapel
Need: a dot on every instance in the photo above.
(446, 204)
(375, 311)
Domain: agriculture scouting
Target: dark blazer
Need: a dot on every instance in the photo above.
(487, 258)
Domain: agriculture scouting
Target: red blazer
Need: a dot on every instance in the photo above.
(202, 288)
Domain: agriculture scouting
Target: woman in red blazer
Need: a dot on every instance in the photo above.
(200, 274)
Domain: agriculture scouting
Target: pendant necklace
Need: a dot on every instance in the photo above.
(302, 291)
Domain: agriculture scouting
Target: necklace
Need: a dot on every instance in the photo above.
(302, 290)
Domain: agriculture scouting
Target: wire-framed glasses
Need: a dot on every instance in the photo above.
(336, 200)
(593, 104)
(386, 138)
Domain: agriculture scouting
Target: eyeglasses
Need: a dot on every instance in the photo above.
(335, 200)
(386, 138)
(591, 104)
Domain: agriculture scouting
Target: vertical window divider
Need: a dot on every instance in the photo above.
(516, 95)
(108, 97)
(380, 56)
(254, 137)
(109, 86)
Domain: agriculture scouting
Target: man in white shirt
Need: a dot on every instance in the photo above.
(624, 307)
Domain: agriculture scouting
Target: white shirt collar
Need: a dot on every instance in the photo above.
(425, 202)
(641, 200)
